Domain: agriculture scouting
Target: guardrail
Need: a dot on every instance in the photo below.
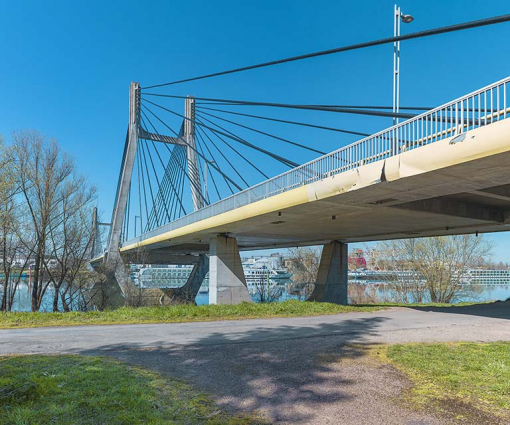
(477, 109)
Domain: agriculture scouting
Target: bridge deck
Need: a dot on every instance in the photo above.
(454, 185)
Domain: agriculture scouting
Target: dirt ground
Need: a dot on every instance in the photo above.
(291, 370)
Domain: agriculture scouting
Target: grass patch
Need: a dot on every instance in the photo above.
(477, 374)
(411, 305)
(179, 313)
(93, 390)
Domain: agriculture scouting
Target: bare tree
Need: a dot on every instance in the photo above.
(14, 255)
(11, 247)
(304, 265)
(69, 242)
(7, 180)
(431, 268)
(266, 289)
(400, 269)
(51, 193)
(137, 295)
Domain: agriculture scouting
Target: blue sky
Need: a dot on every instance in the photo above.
(66, 65)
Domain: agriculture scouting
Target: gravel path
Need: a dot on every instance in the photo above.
(293, 370)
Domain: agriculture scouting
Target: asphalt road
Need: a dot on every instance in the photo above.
(310, 370)
(478, 323)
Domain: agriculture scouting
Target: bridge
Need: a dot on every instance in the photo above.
(441, 172)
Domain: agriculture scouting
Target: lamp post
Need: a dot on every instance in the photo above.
(398, 16)
(206, 170)
(137, 216)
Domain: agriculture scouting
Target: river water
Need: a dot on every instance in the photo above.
(477, 293)
(23, 299)
(473, 293)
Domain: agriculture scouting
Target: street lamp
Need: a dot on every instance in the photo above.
(406, 19)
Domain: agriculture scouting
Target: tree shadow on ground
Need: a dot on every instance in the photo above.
(495, 310)
(286, 372)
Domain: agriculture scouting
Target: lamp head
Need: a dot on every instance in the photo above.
(406, 19)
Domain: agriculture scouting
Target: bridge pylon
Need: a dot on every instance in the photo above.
(191, 154)
(114, 264)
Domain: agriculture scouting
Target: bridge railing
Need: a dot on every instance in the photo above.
(453, 119)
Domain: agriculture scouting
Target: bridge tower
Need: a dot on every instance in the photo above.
(185, 139)
(191, 154)
(114, 265)
(126, 171)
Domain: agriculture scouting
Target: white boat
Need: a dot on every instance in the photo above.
(174, 276)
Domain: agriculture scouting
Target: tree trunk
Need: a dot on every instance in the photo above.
(55, 298)
(65, 305)
(35, 282)
(6, 275)
(4, 296)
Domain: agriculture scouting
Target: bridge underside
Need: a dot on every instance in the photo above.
(438, 189)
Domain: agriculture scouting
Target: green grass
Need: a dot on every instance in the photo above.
(178, 313)
(453, 305)
(474, 373)
(91, 390)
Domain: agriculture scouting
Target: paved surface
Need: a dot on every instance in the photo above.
(294, 370)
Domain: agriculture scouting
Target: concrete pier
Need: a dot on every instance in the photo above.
(227, 284)
(331, 284)
(188, 292)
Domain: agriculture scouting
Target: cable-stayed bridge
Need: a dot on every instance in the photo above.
(201, 182)
(183, 195)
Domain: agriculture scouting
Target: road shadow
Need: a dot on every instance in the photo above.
(287, 372)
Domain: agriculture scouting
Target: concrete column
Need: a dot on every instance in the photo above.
(112, 293)
(192, 160)
(227, 284)
(114, 266)
(331, 284)
(188, 292)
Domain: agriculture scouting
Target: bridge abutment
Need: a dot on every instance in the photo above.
(331, 285)
(114, 283)
(227, 283)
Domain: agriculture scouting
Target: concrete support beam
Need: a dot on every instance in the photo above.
(160, 138)
(160, 257)
(454, 208)
(227, 284)
(499, 193)
(331, 285)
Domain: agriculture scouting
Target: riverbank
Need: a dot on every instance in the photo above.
(178, 314)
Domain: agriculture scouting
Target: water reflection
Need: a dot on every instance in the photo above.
(23, 299)
(376, 291)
